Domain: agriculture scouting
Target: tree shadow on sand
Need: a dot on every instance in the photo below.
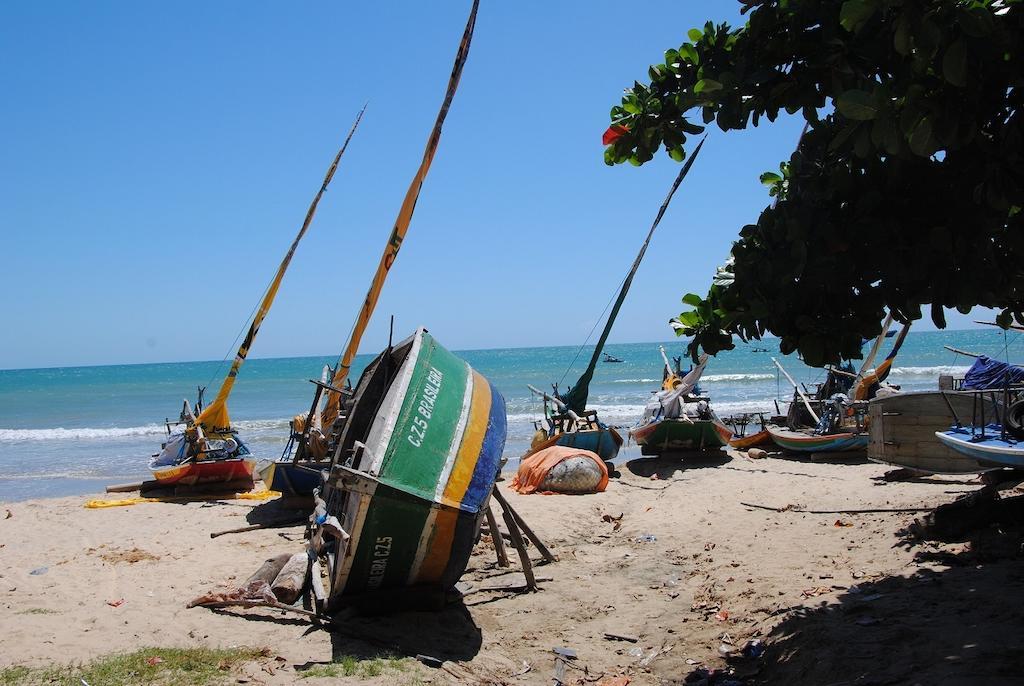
(668, 465)
(961, 624)
(277, 512)
(843, 457)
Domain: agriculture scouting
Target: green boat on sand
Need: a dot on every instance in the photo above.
(412, 474)
(678, 418)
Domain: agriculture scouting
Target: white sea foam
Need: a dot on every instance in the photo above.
(741, 406)
(62, 434)
(89, 433)
(611, 414)
(930, 371)
(713, 378)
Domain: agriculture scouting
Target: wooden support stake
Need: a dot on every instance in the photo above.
(496, 538)
(534, 538)
(520, 546)
(316, 584)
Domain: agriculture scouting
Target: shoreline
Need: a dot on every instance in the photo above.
(687, 566)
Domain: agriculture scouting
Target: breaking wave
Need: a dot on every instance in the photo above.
(759, 376)
(62, 434)
(930, 371)
(89, 433)
(712, 378)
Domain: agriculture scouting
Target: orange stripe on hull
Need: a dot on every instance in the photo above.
(440, 548)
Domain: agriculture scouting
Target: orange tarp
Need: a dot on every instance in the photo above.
(534, 468)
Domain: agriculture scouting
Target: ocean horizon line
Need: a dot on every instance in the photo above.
(224, 360)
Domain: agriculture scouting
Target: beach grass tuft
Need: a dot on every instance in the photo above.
(37, 611)
(350, 665)
(163, 666)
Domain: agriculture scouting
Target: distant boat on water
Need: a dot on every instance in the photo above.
(611, 358)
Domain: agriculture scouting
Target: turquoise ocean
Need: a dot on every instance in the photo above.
(74, 430)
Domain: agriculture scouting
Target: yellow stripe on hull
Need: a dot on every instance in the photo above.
(472, 443)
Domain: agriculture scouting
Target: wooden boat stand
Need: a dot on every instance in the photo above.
(517, 527)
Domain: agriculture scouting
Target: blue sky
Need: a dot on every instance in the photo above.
(159, 158)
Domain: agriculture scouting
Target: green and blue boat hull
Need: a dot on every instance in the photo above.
(808, 442)
(431, 457)
(604, 441)
(674, 435)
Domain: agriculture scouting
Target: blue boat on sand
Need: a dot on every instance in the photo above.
(997, 440)
(992, 446)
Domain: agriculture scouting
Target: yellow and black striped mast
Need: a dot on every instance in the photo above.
(401, 227)
(215, 418)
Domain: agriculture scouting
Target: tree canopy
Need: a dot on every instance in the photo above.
(905, 188)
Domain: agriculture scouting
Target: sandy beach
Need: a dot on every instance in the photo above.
(687, 570)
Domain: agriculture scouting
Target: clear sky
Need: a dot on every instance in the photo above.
(158, 159)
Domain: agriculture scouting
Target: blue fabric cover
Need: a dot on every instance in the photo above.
(987, 373)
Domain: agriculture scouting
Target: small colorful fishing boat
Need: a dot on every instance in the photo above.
(835, 420)
(416, 463)
(806, 441)
(195, 457)
(207, 449)
(561, 426)
(991, 446)
(669, 435)
(741, 439)
(678, 417)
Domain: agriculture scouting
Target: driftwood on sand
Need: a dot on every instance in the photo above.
(292, 578)
(269, 570)
(868, 510)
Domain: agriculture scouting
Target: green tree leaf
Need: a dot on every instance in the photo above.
(706, 86)
(856, 105)
(855, 13)
(954, 63)
(921, 141)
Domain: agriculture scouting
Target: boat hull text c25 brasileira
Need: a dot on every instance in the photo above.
(414, 469)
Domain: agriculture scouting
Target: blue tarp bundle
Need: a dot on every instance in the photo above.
(987, 373)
